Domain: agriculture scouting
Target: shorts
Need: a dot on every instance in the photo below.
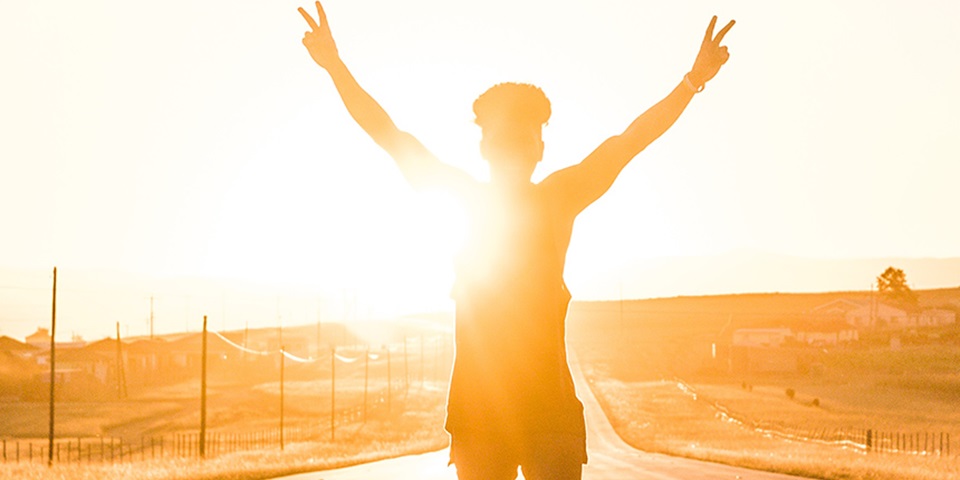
(546, 456)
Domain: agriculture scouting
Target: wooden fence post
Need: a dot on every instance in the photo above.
(389, 381)
(333, 393)
(203, 391)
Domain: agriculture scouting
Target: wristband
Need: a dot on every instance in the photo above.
(690, 85)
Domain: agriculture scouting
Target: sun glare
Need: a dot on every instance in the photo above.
(369, 234)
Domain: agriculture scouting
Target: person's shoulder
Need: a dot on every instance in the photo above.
(556, 195)
(550, 188)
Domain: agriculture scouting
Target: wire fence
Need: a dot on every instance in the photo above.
(924, 443)
(386, 372)
(181, 445)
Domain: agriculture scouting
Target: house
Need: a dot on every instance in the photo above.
(838, 307)
(761, 337)
(95, 362)
(40, 338)
(821, 333)
(879, 315)
(144, 357)
(935, 317)
(17, 369)
(17, 348)
(866, 314)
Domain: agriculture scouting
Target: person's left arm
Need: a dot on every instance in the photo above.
(587, 181)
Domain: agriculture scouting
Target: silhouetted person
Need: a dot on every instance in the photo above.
(512, 401)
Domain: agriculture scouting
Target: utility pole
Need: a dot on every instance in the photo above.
(53, 362)
(282, 362)
(366, 380)
(319, 327)
(333, 393)
(389, 381)
(203, 391)
(121, 378)
(406, 371)
(151, 317)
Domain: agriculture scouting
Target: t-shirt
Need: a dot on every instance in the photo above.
(510, 375)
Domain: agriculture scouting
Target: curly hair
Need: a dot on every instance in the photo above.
(520, 103)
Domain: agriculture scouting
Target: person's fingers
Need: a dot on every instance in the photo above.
(308, 18)
(724, 31)
(709, 35)
(321, 16)
(724, 55)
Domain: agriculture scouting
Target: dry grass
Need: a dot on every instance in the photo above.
(631, 353)
(660, 417)
(416, 430)
(295, 458)
(413, 424)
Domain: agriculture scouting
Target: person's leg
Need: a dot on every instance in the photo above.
(563, 469)
(555, 457)
(482, 460)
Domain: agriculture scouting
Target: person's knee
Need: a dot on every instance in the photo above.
(482, 460)
(560, 470)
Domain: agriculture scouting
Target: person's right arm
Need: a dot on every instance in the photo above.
(420, 167)
(587, 181)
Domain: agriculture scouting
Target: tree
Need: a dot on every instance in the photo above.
(892, 284)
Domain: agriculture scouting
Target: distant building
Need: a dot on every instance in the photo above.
(879, 315)
(876, 315)
(935, 317)
(40, 338)
(864, 313)
(761, 337)
(826, 333)
(17, 348)
(839, 307)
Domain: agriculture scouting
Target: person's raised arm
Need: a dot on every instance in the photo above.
(585, 182)
(420, 167)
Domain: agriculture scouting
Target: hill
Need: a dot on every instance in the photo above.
(710, 310)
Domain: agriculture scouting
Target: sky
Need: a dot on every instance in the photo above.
(198, 140)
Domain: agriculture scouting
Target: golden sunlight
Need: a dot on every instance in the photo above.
(433, 248)
(375, 237)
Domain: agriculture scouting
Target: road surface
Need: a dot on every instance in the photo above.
(610, 458)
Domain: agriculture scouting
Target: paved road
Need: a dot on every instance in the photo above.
(610, 458)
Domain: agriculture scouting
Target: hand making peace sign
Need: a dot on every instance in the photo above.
(711, 55)
(318, 40)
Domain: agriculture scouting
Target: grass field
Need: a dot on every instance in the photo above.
(660, 417)
(408, 419)
(417, 431)
(634, 353)
(414, 426)
(650, 363)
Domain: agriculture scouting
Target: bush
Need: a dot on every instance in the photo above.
(791, 393)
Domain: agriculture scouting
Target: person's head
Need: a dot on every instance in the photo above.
(511, 117)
